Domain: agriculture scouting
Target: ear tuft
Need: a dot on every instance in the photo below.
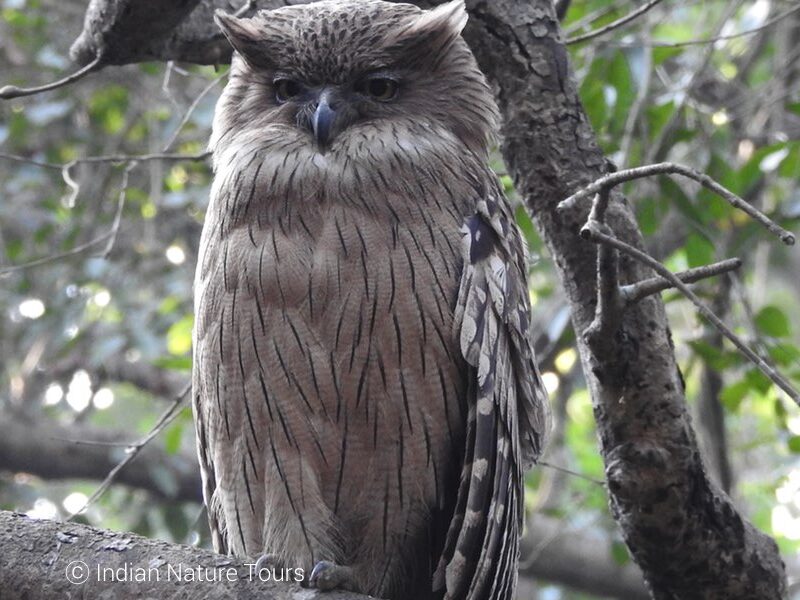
(450, 17)
(432, 32)
(243, 34)
(234, 27)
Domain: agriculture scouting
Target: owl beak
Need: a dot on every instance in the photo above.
(324, 117)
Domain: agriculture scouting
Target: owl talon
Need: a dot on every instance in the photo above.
(328, 576)
(267, 561)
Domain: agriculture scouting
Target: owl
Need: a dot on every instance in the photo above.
(364, 388)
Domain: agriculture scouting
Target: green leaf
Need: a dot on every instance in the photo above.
(174, 363)
(658, 116)
(172, 438)
(714, 357)
(790, 166)
(794, 444)
(785, 354)
(661, 55)
(720, 169)
(619, 552)
(772, 321)
(176, 521)
(699, 251)
(750, 173)
(758, 381)
(674, 193)
(592, 96)
(528, 230)
(733, 395)
(179, 336)
(14, 249)
(619, 76)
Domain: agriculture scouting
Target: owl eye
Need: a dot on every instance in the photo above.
(378, 88)
(286, 89)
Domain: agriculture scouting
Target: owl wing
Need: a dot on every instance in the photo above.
(216, 517)
(508, 407)
(209, 295)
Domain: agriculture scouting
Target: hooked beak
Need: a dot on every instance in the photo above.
(324, 117)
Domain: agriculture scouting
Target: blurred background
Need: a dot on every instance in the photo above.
(97, 260)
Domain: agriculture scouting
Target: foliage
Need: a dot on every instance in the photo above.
(71, 325)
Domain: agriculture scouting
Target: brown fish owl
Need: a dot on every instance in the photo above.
(365, 392)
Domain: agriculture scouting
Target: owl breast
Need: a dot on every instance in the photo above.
(327, 355)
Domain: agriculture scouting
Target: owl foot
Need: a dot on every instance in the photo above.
(328, 576)
(270, 562)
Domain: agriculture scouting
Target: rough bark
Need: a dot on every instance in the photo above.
(38, 556)
(683, 531)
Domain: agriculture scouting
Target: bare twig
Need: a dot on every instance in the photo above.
(245, 8)
(659, 146)
(594, 231)
(191, 109)
(95, 443)
(11, 91)
(591, 17)
(133, 451)
(123, 192)
(635, 292)
(614, 24)
(56, 257)
(566, 471)
(613, 179)
(115, 158)
(712, 40)
(73, 186)
(609, 309)
(130, 161)
(642, 92)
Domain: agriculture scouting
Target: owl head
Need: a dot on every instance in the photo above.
(332, 74)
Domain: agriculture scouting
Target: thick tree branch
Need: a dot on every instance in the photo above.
(40, 557)
(50, 451)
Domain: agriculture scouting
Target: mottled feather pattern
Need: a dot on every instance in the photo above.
(492, 317)
(364, 387)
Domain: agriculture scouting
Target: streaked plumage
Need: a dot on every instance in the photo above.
(364, 386)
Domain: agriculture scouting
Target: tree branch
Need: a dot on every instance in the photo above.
(47, 450)
(10, 92)
(556, 552)
(40, 557)
(622, 21)
(635, 292)
(711, 40)
(133, 450)
(613, 179)
(599, 233)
